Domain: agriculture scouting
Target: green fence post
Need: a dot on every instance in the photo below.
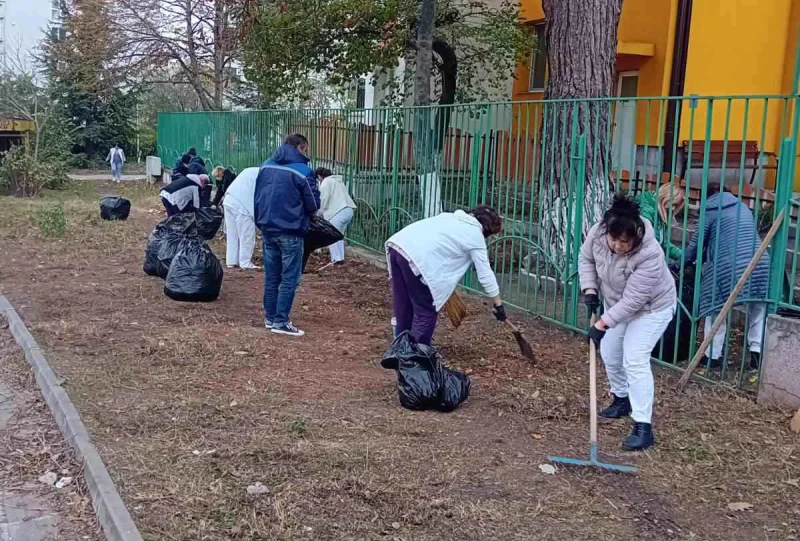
(398, 135)
(783, 194)
(579, 166)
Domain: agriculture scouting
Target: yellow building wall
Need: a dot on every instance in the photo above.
(641, 21)
(737, 47)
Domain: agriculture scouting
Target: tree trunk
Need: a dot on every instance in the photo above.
(220, 29)
(424, 155)
(424, 60)
(581, 44)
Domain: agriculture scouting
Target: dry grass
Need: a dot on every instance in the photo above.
(317, 421)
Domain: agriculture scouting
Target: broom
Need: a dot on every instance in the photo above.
(455, 309)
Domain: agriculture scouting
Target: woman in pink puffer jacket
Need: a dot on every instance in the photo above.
(622, 259)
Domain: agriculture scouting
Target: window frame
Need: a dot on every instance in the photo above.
(539, 49)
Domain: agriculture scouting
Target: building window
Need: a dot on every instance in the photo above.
(538, 68)
(361, 93)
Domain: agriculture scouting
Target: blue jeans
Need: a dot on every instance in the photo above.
(283, 257)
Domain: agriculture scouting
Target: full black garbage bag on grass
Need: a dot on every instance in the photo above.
(115, 208)
(195, 274)
(168, 248)
(422, 382)
(172, 229)
(150, 266)
(321, 233)
(184, 223)
(454, 391)
(208, 222)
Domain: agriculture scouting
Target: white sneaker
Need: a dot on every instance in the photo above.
(288, 329)
(250, 267)
(267, 323)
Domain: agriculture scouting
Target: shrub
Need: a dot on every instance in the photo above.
(23, 176)
(51, 221)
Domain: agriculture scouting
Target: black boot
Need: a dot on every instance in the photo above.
(710, 364)
(755, 360)
(640, 439)
(619, 408)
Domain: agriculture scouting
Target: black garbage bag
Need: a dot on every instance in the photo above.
(678, 335)
(184, 223)
(150, 266)
(321, 233)
(208, 222)
(195, 274)
(115, 208)
(171, 243)
(454, 391)
(422, 382)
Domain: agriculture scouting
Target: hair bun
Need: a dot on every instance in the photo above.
(622, 205)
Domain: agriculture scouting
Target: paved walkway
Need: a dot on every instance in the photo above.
(23, 515)
(30, 445)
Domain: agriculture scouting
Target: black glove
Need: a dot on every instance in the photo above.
(675, 268)
(499, 312)
(596, 335)
(592, 302)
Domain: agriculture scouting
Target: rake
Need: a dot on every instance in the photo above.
(593, 461)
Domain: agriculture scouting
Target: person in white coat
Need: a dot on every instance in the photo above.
(428, 258)
(240, 225)
(116, 157)
(336, 206)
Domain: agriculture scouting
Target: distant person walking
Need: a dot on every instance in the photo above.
(116, 157)
(337, 207)
(286, 195)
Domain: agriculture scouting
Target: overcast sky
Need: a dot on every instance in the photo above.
(25, 22)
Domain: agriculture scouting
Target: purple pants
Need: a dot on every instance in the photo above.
(413, 302)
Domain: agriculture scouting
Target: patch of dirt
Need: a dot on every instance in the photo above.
(191, 404)
(30, 446)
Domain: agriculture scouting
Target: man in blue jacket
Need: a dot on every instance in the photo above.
(286, 196)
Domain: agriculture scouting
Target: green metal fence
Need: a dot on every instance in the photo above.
(548, 167)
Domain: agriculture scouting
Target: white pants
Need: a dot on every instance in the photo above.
(240, 232)
(626, 353)
(756, 314)
(340, 221)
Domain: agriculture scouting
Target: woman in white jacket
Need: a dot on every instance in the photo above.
(336, 206)
(428, 258)
(240, 225)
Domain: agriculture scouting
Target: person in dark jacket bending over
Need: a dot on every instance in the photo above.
(286, 195)
(730, 240)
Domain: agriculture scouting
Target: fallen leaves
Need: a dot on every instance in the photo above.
(740, 506)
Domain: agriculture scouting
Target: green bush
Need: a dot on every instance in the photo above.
(23, 176)
(51, 221)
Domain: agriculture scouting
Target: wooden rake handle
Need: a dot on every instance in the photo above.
(723, 313)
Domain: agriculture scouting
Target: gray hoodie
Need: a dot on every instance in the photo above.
(632, 284)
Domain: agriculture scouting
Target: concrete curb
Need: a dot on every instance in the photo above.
(112, 514)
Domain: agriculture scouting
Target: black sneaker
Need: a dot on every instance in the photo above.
(640, 439)
(287, 329)
(755, 360)
(620, 407)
